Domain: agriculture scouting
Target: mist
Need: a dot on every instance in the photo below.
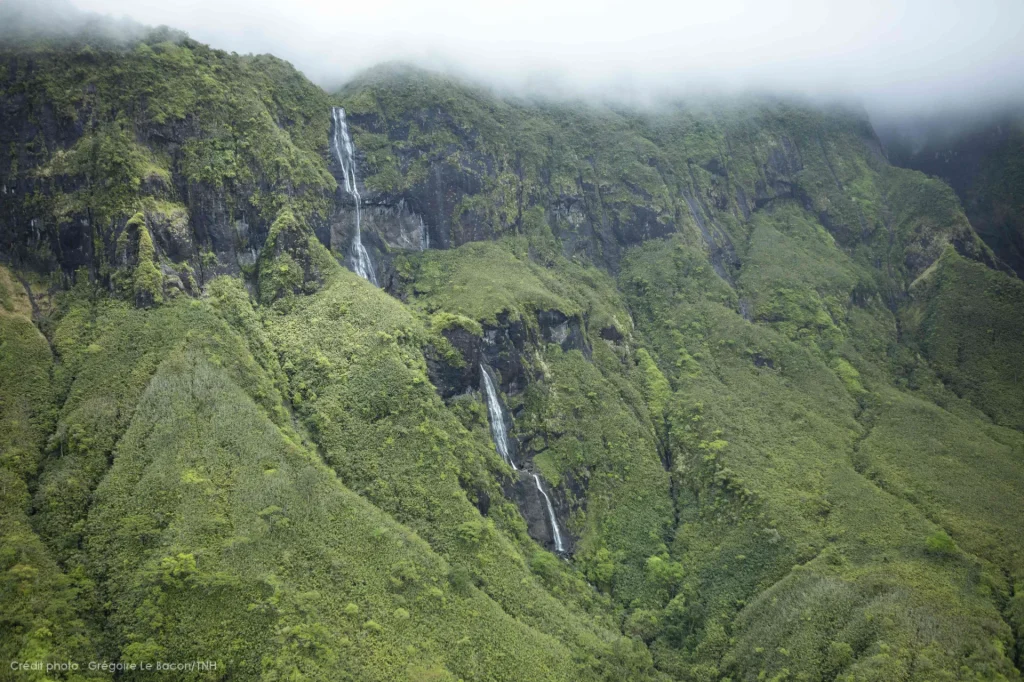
(898, 59)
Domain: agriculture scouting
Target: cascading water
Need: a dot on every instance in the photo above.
(497, 416)
(559, 547)
(497, 419)
(341, 143)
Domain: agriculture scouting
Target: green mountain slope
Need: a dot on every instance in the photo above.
(762, 385)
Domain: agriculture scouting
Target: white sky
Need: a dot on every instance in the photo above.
(897, 55)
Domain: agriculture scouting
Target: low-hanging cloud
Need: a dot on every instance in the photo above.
(898, 57)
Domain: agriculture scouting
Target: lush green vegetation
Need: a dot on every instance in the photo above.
(39, 602)
(771, 383)
(810, 494)
(209, 146)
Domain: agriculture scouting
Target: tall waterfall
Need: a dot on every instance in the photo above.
(341, 143)
(497, 419)
(559, 547)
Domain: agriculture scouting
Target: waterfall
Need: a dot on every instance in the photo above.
(341, 143)
(559, 547)
(497, 419)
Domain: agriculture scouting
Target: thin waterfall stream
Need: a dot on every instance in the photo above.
(497, 416)
(559, 547)
(500, 436)
(341, 143)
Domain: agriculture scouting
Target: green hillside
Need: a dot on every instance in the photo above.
(767, 385)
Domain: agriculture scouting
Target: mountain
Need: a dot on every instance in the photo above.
(703, 391)
(982, 160)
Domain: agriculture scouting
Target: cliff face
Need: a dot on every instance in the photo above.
(600, 180)
(764, 378)
(210, 147)
(214, 146)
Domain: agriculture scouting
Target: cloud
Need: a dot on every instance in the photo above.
(896, 56)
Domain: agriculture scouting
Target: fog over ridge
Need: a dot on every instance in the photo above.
(900, 58)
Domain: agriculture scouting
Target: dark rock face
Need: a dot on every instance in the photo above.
(83, 156)
(440, 197)
(451, 380)
(778, 175)
(24, 237)
(501, 348)
(172, 235)
(447, 197)
(482, 501)
(742, 203)
(505, 348)
(397, 226)
(566, 332)
(234, 243)
(720, 249)
(504, 351)
(222, 223)
(523, 491)
(437, 199)
(611, 333)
